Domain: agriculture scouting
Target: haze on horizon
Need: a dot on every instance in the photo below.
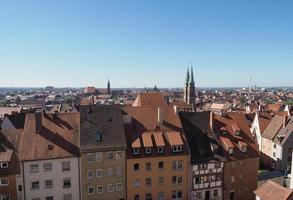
(72, 43)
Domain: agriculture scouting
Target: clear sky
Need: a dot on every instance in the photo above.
(142, 43)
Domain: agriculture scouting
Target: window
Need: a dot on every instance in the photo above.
(161, 180)
(98, 137)
(161, 165)
(90, 157)
(99, 173)
(237, 133)
(230, 150)
(136, 182)
(196, 180)
(177, 164)
(176, 195)
(20, 188)
(90, 174)
(110, 188)
(232, 179)
(49, 198)
(275, 146)
(47, 167)
(118, 155)
(176, 149)
(65, 166)
(35, 185)
(160, 149)
(91, 190)
(218, 165)
(244, 149)
(110, 171)
(66, 183)
(119, 187)
(148, 181)
(110, 155)
(34, 168)
(148, 166)
(99, 156)
(67, 196)
(148, 150)
(4, 165)
(136, 197)
(135, 151)
(118, 171)
(274, 154)
(198, 195)
(216, 193)
(48, 183)
(148, 196)
(4, 181)
(4, 197)
(161, 196)
(100, 189)
(176, 180)
(136, 167)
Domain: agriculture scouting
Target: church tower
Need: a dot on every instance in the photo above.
(186, 86)
(189, 89)
(108, 87)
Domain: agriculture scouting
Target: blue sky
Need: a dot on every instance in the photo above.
(143, 43)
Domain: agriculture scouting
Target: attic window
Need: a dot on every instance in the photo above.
(55, 116)
(4, 165)
(135, 151)
(98, 137)
(237, 132)
(50, 146)
(177, 149)
(231, 150)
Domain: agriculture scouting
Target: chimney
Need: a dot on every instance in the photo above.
(38, 118)
(285, 121)
(211, 120)
(176, 109)
(160, 115)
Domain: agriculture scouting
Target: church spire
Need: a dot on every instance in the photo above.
(191, 76)
(108, 87)
(187, 76)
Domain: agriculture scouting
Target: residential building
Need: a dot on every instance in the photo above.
(103, 152)
(9, 165)
(241, 152)
(49, 156)
(157, 154)
(206, 157)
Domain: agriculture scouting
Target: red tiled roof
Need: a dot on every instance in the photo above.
(174, 138)
(273, 191)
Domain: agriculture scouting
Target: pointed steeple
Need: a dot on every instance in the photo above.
(187, 77)
(108, 87)
(191, 76)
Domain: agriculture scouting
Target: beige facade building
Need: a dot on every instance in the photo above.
(103, 153)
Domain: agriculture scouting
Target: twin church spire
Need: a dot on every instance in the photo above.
(189, 90)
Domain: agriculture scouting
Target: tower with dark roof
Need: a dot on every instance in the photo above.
(186, 86)
(189, 89)
(108, 87)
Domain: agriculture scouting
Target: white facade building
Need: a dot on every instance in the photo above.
(55, 179)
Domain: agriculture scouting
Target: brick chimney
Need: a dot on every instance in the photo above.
(160, 115)
(38, 119)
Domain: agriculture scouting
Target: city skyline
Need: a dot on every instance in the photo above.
(76, 44)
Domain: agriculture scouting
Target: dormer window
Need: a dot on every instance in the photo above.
(4, 165)
(244, 149)
(135, 151)
(177, 149)
(160, 149)
(223, 130)
(231, 150)
(148, 150)
(98, 137)
(55, 116)
(237, 132)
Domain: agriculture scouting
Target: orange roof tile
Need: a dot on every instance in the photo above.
(159, 139)
(136, 143)
(174, 138)
(147, 139)
(273, 191)
(226, 142)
